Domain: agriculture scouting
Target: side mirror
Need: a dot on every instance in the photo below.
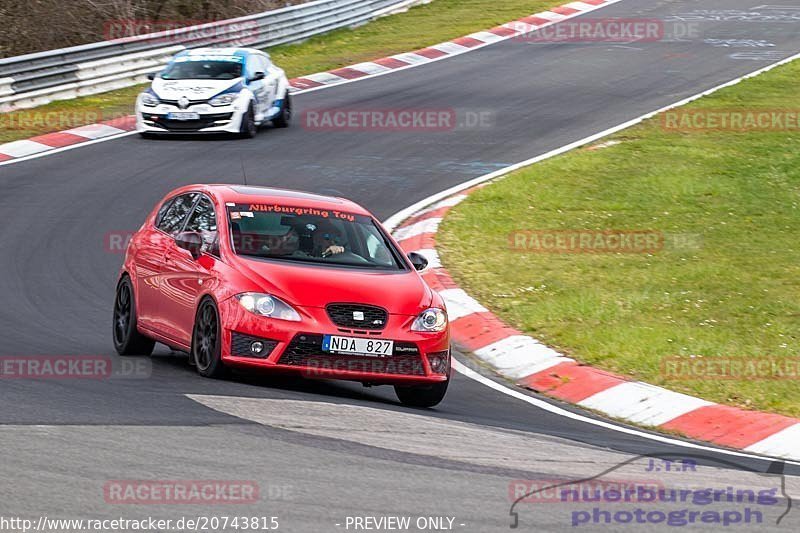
(257, 76)
(152, 76)
(418, 260)
(191, 242)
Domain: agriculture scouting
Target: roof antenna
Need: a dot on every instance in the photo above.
(244, 174)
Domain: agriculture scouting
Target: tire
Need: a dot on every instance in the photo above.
(206, 341)
(248, 129)
(127, 339)
(284, 118)
(422, 395)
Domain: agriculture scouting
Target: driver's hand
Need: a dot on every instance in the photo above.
(333, 250)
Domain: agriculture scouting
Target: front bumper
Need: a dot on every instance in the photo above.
(156, 119)
(295, 347)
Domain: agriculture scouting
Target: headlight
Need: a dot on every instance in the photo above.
(223, 99)
(266, 305)
(149, 100)
(432, 319)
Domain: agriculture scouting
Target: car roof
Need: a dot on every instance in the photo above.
(253, 194)
(205, 52)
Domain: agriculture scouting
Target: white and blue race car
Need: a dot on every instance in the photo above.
(212, 90)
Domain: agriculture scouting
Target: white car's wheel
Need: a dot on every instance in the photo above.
(249, 128)
(284, 118)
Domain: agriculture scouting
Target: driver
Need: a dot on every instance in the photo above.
(328, 240)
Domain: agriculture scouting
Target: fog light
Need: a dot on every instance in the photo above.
(438, 362)
(257, 347)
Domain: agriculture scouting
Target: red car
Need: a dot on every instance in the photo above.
(253, 277)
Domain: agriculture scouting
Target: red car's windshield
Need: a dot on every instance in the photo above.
(311, 235)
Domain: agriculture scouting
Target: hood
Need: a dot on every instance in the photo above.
(192, 89)
(400, 293)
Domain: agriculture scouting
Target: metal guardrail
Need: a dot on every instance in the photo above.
(35, 79)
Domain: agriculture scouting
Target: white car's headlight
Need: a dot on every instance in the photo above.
(267, 305)
(223, 99)
(149, 100)
(432, 319)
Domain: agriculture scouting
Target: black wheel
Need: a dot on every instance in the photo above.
(127, 339)
(206, 345)
(284, 118)
(422, 395)
(248, 128)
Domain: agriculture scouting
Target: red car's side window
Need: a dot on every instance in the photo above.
(173, 213)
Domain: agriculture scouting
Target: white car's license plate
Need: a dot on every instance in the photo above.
(183, 115)
(355, 345)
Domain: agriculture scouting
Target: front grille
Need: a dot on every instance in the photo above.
(175, 102)
(306, 350)
(357, 316)
(205, 121)
(240, 346)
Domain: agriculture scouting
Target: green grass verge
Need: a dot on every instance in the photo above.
(421, 26)
(730, 290)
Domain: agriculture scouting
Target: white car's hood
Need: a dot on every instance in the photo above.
(191, 89)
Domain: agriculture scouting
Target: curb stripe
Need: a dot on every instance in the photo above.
(348, 73)
(391, 62)
(431, 53)
(304, 83)
(325, 78)
(460, 304)
(96, 131)
(642, 403)
(469, 42)
(564, 10)
(479, 330)
(370, 67)
(58, 139)
(730, 426)
(551, 16)
(783, 443)
(428, 225)
(571, 382)
(22, 148)
(411, 58)
(534, 21)
(519, 356)
(486, 37)
(450, 48)
(503, 31)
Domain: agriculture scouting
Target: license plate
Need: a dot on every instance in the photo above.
(183, 115)
(355, 345)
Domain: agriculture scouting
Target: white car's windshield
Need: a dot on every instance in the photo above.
(310, 235)
(202, 70)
